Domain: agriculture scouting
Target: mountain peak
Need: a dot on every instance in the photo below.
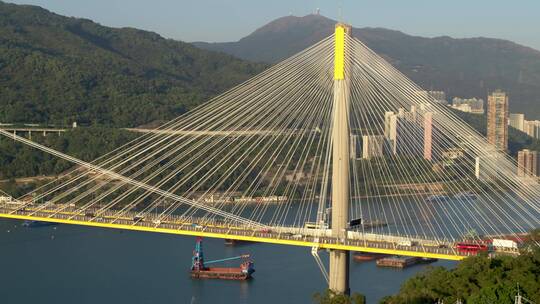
(461, 67)
(295, 26)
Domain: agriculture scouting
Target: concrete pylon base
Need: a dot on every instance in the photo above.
(339, 272)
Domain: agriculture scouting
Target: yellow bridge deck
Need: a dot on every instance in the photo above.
(212, 230)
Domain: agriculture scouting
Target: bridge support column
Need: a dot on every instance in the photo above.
(338, 280)
(339, 259)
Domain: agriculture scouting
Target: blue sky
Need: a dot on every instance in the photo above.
(230, 20)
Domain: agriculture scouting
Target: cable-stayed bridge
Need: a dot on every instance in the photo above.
(276, 159)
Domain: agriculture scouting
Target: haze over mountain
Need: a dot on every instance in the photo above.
(56, 69)
(461, 67)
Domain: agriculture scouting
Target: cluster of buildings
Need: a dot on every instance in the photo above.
(438, 96)
(530, 127)
(469, 105)
(406, 133)
(412, 133)
(498, 121)
(515, 120)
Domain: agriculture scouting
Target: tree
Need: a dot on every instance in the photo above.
(477, 279)
(330, 297)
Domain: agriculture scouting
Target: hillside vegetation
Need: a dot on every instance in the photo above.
(56, 70)
(476, 280)
(18, 160)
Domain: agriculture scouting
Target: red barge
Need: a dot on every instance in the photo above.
(199, 269)
(364, 256)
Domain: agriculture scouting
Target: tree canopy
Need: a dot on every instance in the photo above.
(56, 70)
(477, 279)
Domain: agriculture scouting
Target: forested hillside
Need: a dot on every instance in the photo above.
(55, 69)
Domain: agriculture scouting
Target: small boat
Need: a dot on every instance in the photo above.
(36, 224)
(465, 196)
(428, 260)
(437, 198)
(232, 242)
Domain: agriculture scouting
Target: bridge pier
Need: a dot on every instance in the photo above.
(338, 280)
(339, 259)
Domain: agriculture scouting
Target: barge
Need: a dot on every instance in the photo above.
(398, 262)
(200, 270)
(366, 256)
(403, 262)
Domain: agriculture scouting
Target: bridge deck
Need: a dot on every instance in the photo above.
(192, 227)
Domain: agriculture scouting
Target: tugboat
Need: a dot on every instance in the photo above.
(232, 242)
(199, 269)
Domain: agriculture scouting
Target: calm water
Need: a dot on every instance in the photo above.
(70, 264)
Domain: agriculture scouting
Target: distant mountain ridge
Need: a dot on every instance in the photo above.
(461, 67)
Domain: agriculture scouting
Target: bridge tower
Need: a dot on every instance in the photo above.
(339, 259)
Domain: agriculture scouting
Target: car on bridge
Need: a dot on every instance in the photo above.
(138, 218)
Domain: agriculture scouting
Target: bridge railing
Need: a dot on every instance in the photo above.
(189, 224)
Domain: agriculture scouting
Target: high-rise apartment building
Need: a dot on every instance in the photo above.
(497, 120)
(517, 121)
(390, 131)
(528, 164)
(532, 128)
(353, 152)
(428, 135)
(372, 146)
(486, 168)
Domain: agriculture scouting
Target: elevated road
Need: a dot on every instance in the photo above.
(36, 129)
(223, 133)
(215, 229)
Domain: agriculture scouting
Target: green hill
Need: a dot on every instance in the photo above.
(55, 69)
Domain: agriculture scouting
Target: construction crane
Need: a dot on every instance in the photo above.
(244, 256)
